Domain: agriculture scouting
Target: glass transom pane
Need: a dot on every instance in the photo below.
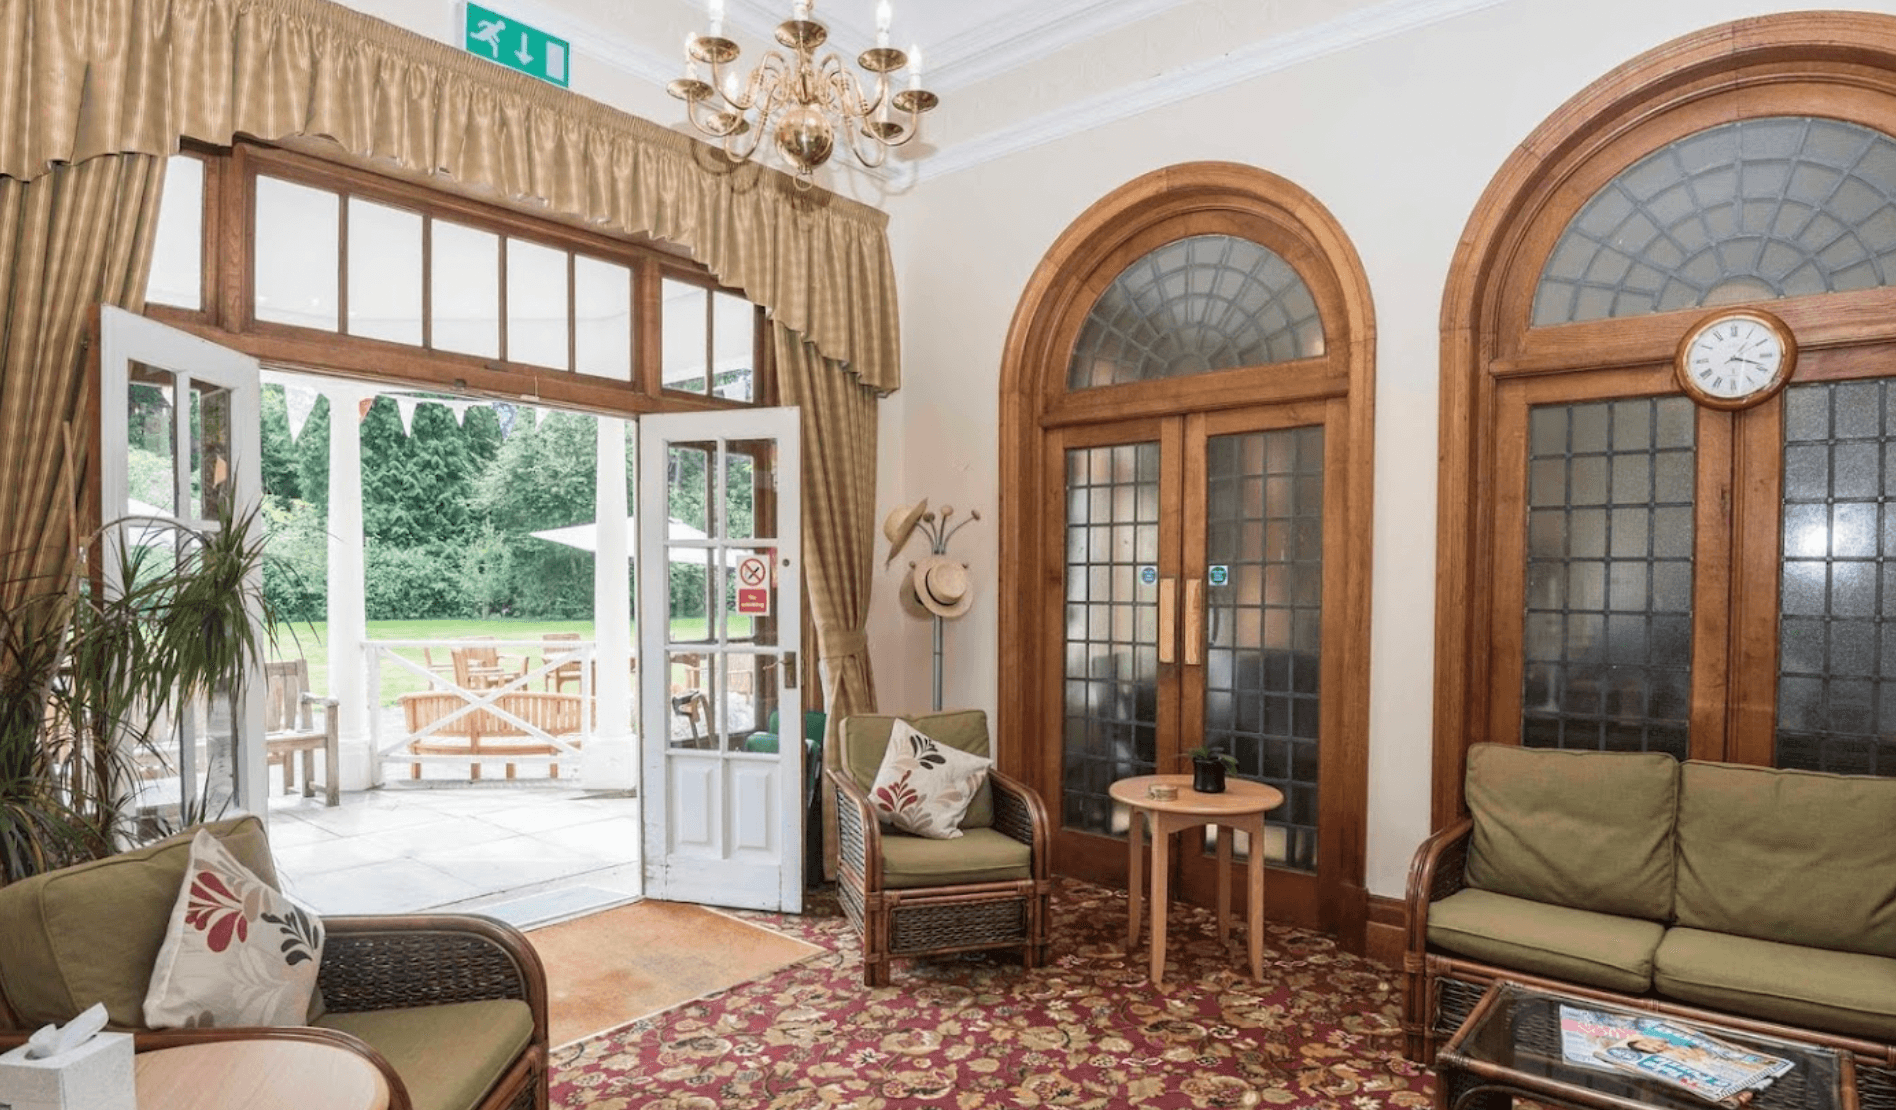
(297, 250)
(1758, 209)
(177, 255)
(1836, 638)
(1607, 649)
(1194, 306)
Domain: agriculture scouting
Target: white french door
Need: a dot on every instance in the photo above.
(179, 431)
(719, 631)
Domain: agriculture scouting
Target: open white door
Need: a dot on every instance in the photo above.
(720, 622)
(180, 430)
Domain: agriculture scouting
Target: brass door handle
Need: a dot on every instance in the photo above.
(1194, 621)
(1168, 619)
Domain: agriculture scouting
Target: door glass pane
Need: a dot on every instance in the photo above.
(1836, 645)
(1264, 618)
(1607, 650)
(602, 318)
(682, 329)
(1112, 629)
(464, 286)
(536, 305)
(186, 767)
(177, 254)
(151, 435)
(296, 246)
(692, 566)
(211, 438)
(750, 606)
(384, 272)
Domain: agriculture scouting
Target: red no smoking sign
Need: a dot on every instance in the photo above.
(753, 586)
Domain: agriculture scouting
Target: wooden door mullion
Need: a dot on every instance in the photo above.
(1757, 522)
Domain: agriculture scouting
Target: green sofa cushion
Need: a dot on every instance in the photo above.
(977, 856)
(447, 1055)
(1580, 946)
(1812, 988)
(91, 933)
(866, 738)
(1587, 830)
(1790, 856)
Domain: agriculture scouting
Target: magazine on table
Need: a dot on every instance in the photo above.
(1669, 1052)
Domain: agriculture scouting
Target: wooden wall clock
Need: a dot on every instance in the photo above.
(1735, 358)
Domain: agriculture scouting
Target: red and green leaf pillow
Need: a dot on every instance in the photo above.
(236, 951)
(924, 786)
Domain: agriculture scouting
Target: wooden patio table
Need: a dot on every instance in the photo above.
(1242, 805)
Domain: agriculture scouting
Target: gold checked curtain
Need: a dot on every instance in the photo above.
(95, 96)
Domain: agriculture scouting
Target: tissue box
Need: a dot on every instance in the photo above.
(97, 1075)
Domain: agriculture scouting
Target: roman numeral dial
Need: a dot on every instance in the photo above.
(1735, 358)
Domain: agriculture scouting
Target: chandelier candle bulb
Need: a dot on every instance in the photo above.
(715, 9)
(883, 16)
(915, 67)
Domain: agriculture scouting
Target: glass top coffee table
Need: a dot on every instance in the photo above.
(1510, 1047)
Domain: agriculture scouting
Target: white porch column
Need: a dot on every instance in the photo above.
(348, 612)
(610, 759)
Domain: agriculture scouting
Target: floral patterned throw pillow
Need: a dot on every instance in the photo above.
(236, 952)
(924, 786)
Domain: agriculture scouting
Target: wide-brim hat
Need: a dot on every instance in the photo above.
(900, 524)
(937, 586)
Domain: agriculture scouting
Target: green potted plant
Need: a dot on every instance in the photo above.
(93, 667)
(1209, 767)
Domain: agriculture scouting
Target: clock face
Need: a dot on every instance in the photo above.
(1736, 358)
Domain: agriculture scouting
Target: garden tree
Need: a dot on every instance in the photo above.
(280, 473)
(312, 457)
(543, 477)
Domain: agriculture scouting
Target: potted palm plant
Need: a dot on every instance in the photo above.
(95, 666)
(1209, 767)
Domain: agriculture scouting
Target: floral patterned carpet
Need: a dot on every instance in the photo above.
(955, 1033)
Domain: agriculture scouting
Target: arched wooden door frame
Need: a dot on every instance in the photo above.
(1833, 64)
(1064, 286)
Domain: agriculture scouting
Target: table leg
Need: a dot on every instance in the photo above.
(1254, 921)
(1161, 893)
(1225, 836)
(1135, 881)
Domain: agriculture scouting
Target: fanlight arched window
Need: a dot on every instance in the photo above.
(1779, 206)
(1194, 306)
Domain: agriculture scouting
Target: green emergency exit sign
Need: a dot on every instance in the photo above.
(515, 45)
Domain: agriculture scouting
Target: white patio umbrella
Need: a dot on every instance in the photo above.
(586, 538)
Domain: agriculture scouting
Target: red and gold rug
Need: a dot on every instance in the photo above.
(1322, 1030)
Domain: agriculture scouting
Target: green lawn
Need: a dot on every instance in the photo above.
(311, 642)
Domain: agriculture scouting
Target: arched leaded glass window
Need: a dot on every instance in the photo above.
(1780, 206)
(1196, 305)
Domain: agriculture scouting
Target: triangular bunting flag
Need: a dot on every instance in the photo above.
(459, 409)
(298, 401)
(405, 407)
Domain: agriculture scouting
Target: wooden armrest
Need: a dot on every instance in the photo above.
(1436, 871)
(1020, 815)
(386, 961)
(858, 831)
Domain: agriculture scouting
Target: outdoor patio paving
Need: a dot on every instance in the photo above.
(526, 851)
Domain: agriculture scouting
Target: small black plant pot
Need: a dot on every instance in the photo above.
(1208, 776)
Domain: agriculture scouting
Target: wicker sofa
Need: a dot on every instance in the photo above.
(1740, 894)
(913, 896)
(450, 1008)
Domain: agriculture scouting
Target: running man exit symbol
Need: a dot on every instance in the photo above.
(514, 44)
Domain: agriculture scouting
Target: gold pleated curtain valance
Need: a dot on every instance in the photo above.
(89, 77)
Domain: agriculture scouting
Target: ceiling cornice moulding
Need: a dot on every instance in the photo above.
(1252, 60)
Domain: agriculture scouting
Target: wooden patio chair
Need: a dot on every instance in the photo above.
(481, 667)
(289, 728)
(559, 643)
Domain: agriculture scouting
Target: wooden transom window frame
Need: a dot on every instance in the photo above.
(227, 315)
(1037, 408)
(1835, 65)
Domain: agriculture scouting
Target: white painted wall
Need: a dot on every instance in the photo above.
(1398, 135)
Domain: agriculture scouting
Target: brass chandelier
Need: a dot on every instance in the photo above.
(806, 100)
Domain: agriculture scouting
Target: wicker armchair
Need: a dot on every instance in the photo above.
(891, 884)
(450, 1008)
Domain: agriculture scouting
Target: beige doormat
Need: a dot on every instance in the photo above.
(608, 969)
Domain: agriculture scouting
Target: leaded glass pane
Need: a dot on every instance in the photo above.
(1757, 209)
(1607, 650)
(1196, 305)
(1836, 648)
(1112, 635)
(1264, 615)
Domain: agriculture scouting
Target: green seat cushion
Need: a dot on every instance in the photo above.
(1586, 830)
(866, 738)
(448, 1056)
(1580, 946)
(91, 933)
(1812, 988)
(1791, 856)
(976, 856)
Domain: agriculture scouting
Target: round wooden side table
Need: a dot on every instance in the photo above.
(1242, 805)
(264, 1073)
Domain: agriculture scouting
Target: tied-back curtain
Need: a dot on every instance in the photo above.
(839, 492)
(74, 237)
(110, 76)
